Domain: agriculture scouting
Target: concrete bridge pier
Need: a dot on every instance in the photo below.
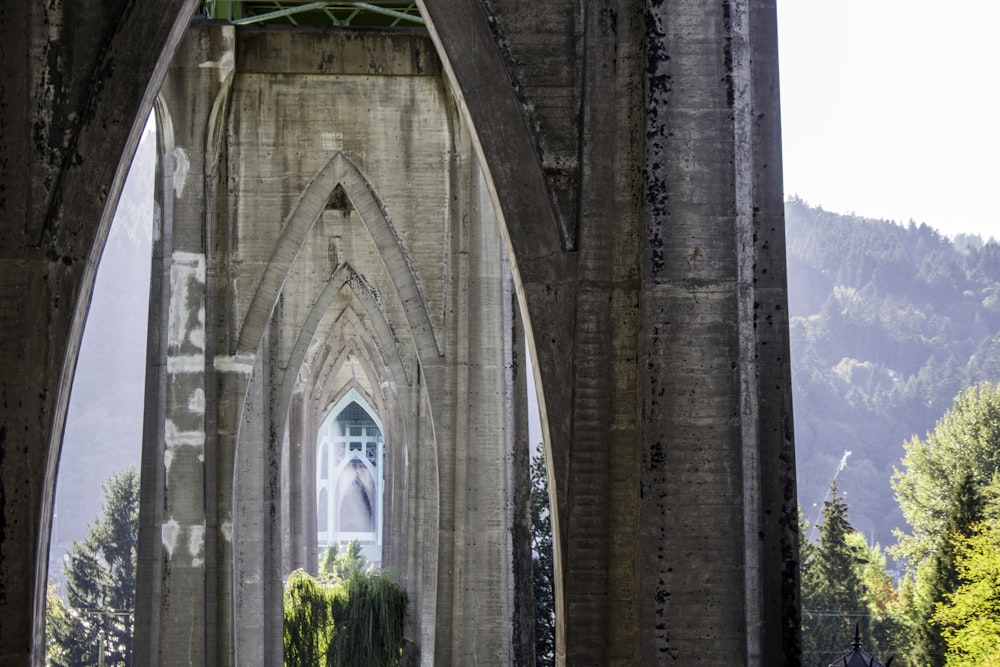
(329, 202)
(646, 225)
(306, 266)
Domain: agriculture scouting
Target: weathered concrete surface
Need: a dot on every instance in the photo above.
(715, 437)
(74, 77)
(631, 150)
(697, 397)
(326, 230)
(180, 560)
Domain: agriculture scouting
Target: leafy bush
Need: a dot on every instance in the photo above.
(347, 616)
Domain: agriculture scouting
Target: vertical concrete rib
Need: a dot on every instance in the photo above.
(586, 519)
(781, 638)
(711, 431)
(485, 559)
(692, 588)
(149, 551)
(599, 578)
(184, 613)
(746, 266)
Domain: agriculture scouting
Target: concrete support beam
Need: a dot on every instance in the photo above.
(180, 529)
(77, 81)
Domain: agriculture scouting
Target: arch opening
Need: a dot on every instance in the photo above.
(350, 477)
(90, 579)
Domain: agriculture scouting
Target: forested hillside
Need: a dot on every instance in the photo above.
(888, 323)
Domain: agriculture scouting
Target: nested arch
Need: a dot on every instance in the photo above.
(394, 345)
(339, 170)
(345, 364)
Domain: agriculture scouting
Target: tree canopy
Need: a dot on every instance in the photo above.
(348, 616)
(964, 448)
(970, 616)
(841, 587)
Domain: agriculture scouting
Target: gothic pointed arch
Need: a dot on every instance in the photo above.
(339, 171)
(321, 318)
(350, 475)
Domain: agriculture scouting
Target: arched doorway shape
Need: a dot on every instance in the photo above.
(350, 477)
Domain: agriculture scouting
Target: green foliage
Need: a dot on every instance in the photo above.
(100, 584)
(944, 610)
(542, 567)
(69, 639)
(964, 448)
(833, 593)
(347, 617)
(309, 619)
(369, 629)
(340, 563)
(938, 576)
(885, 631)
(970, 617)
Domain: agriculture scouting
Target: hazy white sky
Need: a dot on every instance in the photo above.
(889, 109)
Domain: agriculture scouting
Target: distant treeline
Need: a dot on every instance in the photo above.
(888, 323)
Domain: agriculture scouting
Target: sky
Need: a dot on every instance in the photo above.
(889, 109)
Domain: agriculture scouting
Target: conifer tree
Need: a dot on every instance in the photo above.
(939, 578)
(969, 618)
(542, 567)
(100, 584)
(833, 595)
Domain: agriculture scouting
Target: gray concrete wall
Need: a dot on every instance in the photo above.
(328, 229)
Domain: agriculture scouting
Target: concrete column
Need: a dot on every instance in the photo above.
(256, 611)
(298, 490)
(703, 515)
(176, 597)
(482, 501)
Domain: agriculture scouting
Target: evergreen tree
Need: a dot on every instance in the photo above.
(833, 595)
(885, 631)
(939, 577)
(542, 570)
(100, 584)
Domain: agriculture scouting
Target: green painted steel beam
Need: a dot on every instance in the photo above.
(337, 12)
(286, 11)
(375, 9)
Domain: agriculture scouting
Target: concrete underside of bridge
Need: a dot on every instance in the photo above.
(392, 215)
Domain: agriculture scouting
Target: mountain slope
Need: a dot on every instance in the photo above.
(888, 323)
